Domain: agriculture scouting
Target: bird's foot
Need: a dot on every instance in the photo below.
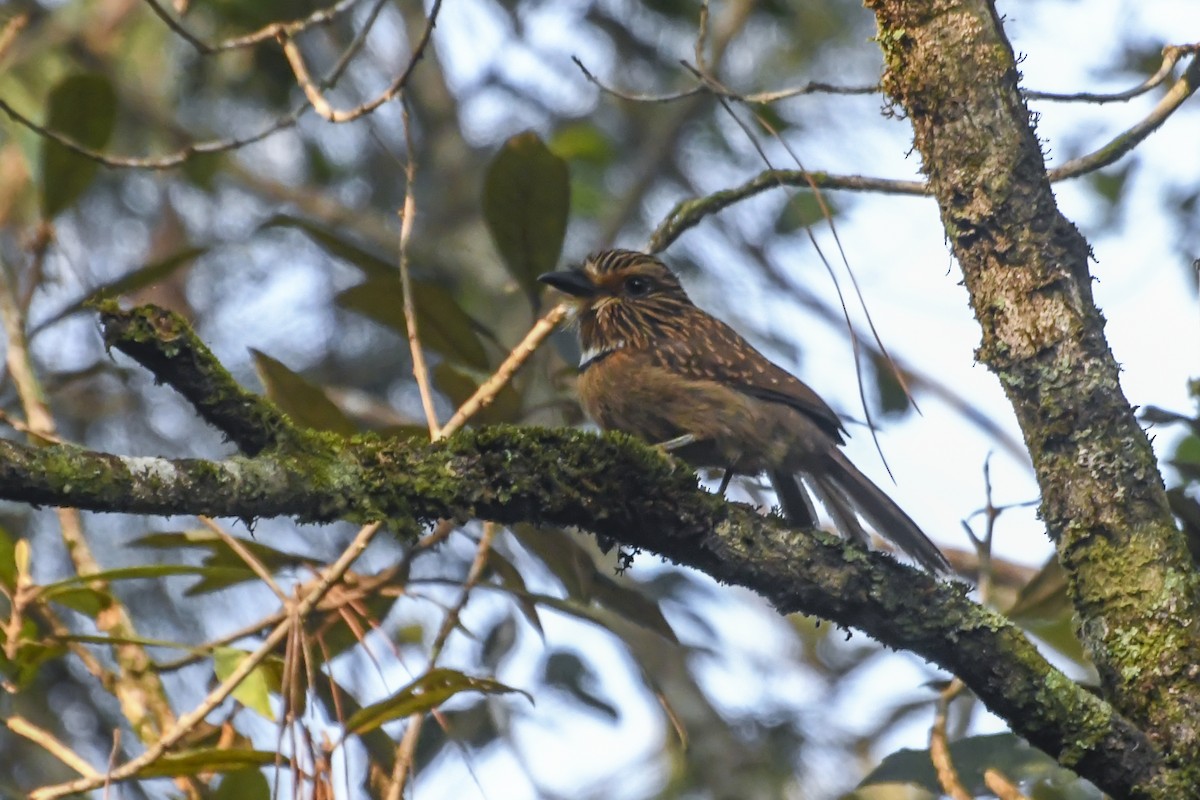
(725, 479)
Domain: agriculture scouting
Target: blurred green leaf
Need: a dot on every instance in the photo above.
(140, 278)
(1187, 511)
(193, 762)
(246, 784)
(627, 600)
(306, 403)
(424, 694)
(1044, 597)
(563, 555)
(442, 326)
(8, 559)
(82, 107)
(458, 386)
(1186, 458)
(803, 209)
(29, 654)
(202, 169)
(254, 692)
(892, 398)
(499, 641)
(510, 577)
(338, 246)
(569, 673)
(583, 141)
(222, 566)
(526, 201)
(971, 757)
(62, 591)
(87, 601)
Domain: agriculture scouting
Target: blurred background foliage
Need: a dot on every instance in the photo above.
(282, 252)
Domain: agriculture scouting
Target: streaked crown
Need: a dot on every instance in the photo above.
(623, 298)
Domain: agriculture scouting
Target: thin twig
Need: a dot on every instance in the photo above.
(1002, 787)
(185, 153)
(217, 696)
(689, 213)
(1131, 138)
(488, 390)
(322, 16)
(812, 87)
(939, 747)
(355, 45)
(1171, 55)
(855, 344)
(406, 750)
(317, 99)
(243, 552)
(407, 215)
(168, 161)
(12, 29)
(45, 739)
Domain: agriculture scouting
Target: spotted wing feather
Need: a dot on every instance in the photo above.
(714, 351)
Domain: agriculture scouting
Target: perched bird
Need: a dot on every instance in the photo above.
(656, 366)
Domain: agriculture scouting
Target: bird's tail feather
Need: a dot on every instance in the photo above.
(847, 494)
(797, 506)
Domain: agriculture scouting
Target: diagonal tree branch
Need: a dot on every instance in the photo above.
(568, 477)
(613, 486)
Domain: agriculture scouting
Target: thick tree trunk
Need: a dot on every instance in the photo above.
(1132, 582)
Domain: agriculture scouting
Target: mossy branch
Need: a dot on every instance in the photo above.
(619, 488)
(163, 342)
(613, 486)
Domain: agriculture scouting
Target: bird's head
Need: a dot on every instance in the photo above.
(622, 298)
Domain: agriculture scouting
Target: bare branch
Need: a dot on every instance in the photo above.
(317, 99)
(322, 16)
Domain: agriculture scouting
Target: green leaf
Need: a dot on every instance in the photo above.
(442, 326)
(193, 762)
(567, 672)
(971, 757)
(254, 692)
(563, 555)
(583, 141)
(458, 386)
(892, 397)
(803, 210)
(246, 784)
(51, 591)
(306, 403)
(222, 566)
(8, 559)
(82, 107)
(526, 200)
(510, 578)
(1044, 597)
(372, 264)
(424, 694)
(633, 605)
(89, 602)
(140, 278)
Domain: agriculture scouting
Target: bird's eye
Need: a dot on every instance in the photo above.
(637, 285)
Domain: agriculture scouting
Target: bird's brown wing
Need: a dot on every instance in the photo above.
(714, 351)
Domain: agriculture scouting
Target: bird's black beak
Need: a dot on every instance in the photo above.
(572, 281)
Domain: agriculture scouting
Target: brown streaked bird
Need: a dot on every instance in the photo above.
(656, 366)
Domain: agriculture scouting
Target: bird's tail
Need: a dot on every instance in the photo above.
(847, 494)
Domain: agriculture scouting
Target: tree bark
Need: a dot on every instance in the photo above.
(1132, 582)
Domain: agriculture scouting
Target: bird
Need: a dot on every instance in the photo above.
(658, 367)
